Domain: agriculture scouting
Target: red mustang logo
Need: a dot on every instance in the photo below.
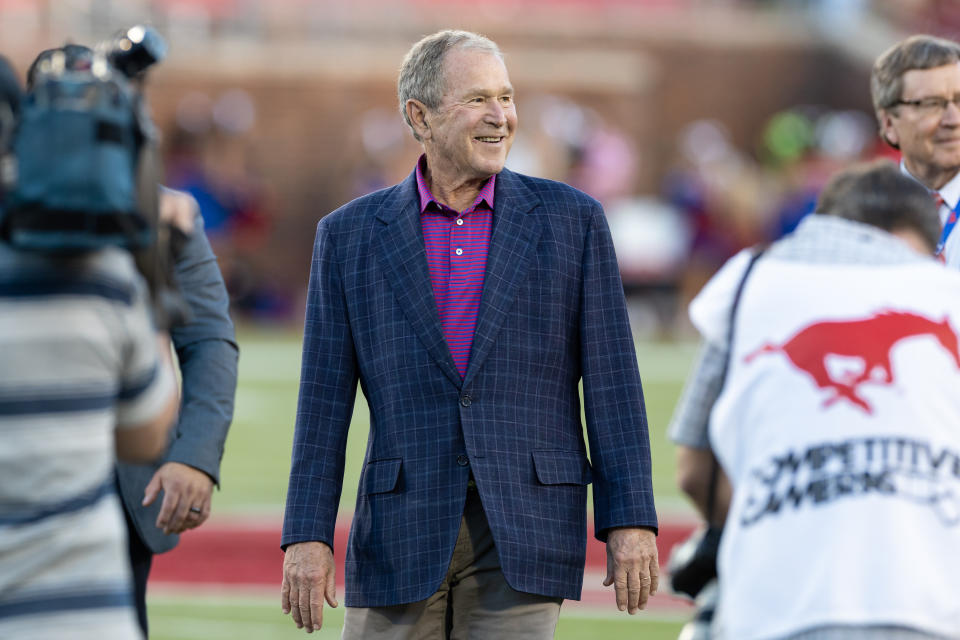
(870, 339)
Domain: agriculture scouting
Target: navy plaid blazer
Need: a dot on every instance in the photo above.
(552, 314)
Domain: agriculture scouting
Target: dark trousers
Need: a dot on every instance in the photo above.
(140, 560)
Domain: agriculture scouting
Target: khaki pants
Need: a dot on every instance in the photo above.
(474, 601)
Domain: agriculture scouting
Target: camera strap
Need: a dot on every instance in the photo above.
(757, 251)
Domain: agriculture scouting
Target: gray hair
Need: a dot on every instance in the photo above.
(422, 74)
(878, 194)
(916, 52)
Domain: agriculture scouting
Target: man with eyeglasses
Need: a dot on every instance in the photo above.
(915, 87)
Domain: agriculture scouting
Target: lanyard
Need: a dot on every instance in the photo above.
(947, 228)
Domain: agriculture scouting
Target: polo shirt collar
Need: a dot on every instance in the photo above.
(426, 198)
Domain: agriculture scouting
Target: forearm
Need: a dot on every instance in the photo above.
(145, 439)
(207, 354)
(209, 372)
(694, 470)
(613, 394)
(689, 431)
(691, 418)
(328, 387)
(317, 463)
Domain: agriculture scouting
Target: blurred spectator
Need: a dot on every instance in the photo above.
(210, 157)
(721, 192)
(734, 199)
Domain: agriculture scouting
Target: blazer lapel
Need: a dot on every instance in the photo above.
(514, 239)
(402, 257)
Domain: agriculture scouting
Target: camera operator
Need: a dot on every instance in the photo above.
(173, 495)
(827, 392)
(85, 379)
(10, 96)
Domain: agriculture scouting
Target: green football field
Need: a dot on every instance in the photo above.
(254, 483)
(247, 617)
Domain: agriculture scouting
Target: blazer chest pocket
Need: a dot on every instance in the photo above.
(380, 476)
(561, 466)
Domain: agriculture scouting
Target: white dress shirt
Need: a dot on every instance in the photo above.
(950, 193)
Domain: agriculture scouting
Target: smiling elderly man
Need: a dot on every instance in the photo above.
(915, 87)
(469, 302)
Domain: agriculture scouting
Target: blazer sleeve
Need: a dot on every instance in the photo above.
(328, 386)
(207, 354)
(613, 396)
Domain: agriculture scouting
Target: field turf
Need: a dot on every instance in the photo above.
(247, 617)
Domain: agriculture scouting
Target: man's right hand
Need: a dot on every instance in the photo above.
(309, 577)
(178, 209)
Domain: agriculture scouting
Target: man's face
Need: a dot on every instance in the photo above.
(929, 138)
(472, 130)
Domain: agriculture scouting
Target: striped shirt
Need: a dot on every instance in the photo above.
(79, 358)
(457, 244)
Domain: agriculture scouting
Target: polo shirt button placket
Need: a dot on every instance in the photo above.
(455, 236)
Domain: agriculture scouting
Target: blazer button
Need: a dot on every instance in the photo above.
(462, 460)
(466, 400)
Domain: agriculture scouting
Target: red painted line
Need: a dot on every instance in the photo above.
(248, 553)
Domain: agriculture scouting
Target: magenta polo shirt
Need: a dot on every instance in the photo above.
(457, 245)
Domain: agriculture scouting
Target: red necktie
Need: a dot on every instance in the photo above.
(943, 203)
(951, 219)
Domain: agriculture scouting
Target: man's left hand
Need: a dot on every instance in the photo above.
(186, 497)
(632, 567)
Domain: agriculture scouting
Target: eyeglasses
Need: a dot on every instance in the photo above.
(931, 105)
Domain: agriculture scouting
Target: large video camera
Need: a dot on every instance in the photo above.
(83, 169)
(10, 96)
